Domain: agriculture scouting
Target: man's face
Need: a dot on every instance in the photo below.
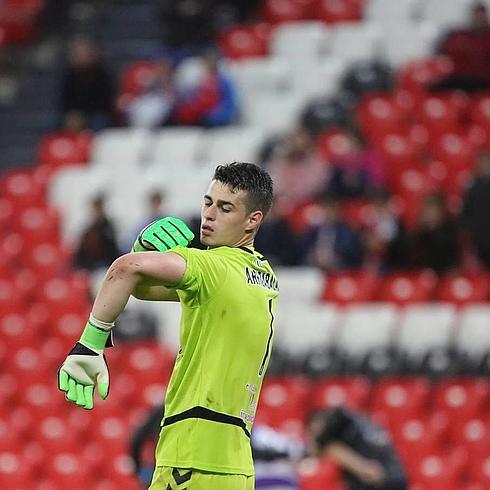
(224, 217)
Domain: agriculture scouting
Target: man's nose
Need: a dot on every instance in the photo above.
(210, 213)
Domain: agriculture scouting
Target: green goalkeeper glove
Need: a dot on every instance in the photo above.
(85, 366)
(162, 235)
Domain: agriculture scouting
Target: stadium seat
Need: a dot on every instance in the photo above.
(119, 147)
(405, 288)
(440, 115)
(479, 470)
(245, 41)
(462, 289)
(283, 402)
(352, 392)
(177, 146)
(64, 148)
(354, 42)
(310, 278)
(436, 472)
(403, 43)
(299, 40)
(334, 144)
(401, 398)
(16, 330)
(345, 288)
(37, 224)
(316, 322)
(462, 398)
(337, 11)
(318, 474)
(13, 474)
(232, 144)
(386, 11)
(427, 331)
(279, 11)
(414, 76)
(455, 151)
(366, 329)
(136, 75)
(21, 189)
(66, 470)
(447, 14)
(398, 149)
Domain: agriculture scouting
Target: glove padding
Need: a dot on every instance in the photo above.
(83, 368)
(162, 235)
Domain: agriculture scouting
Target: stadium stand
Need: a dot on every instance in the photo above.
(410, 347)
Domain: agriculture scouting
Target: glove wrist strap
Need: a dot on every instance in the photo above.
(96, 338)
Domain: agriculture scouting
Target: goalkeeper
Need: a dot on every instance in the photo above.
(228, 297)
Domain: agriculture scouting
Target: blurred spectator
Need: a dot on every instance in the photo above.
(469, 51)
(155, 210)
(476, 209)
(332, 244)
(360, 447)
(86, 86)
(188, 26)
(298, 172)
(435, 243)
(153, 107)
(211, 101)
(278, 241)
(98, 246)
(384, 235)
(357, 173)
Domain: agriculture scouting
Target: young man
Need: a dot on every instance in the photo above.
(228, 295)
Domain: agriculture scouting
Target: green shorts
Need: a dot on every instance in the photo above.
(166, 478)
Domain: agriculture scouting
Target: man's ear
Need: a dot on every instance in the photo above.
(255, 218)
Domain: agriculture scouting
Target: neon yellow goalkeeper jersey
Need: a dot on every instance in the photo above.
(228, 298)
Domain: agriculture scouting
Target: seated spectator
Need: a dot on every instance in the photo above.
(156, 209)
(86, 86)
(98, 247)
(211, 101)
(357, 173)
(384, 235)
(331, 244)
(435, 241)
(153, 107)
(361, 449)
(278, 241)
(298, 172)
(476, 210)
(469, 51)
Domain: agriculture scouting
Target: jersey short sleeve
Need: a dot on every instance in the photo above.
(204, 275)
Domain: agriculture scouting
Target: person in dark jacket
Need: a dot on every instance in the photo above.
(360, 447)
(87, 87)
(476, 210)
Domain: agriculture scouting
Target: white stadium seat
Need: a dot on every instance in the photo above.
(173, 146)
(299, 40)
(446, 13)
(367, 327)
(300, 285)
(407, 42)
(401, 11)
(425, 327)
(230, 144)
(473, 334)
(355, 41)
(300, 328)
(119, 146)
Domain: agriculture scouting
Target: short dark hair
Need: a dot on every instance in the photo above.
(251, 178)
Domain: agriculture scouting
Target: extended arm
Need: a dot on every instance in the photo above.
(367, 470)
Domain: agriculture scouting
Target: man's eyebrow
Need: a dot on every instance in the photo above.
(220, 201)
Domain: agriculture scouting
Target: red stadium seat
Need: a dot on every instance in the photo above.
(347, 288)
(283, 400)
(398, 149)
(13, 474)
(379, 115)
(436, 472)
(319, 474)
(64, 148)
(51, 432)
(472, 433)
(461, 398)
(11, 298)
(417, 74)
(455, 151)
(66, 470)
(352, 392)
(245, 41)
(332, 11)
(135, 76)
(405, 288)
(37, 224)
(28, 366)
(401, 398)
(461, 289)
(480, 112)
(277, 11)
(16, 330)
(112, 434)
(479, 470)
(21, 188)
(334, 145)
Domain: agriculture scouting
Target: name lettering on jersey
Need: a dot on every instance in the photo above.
(249, 416)
(260, 278)
(260, 263)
